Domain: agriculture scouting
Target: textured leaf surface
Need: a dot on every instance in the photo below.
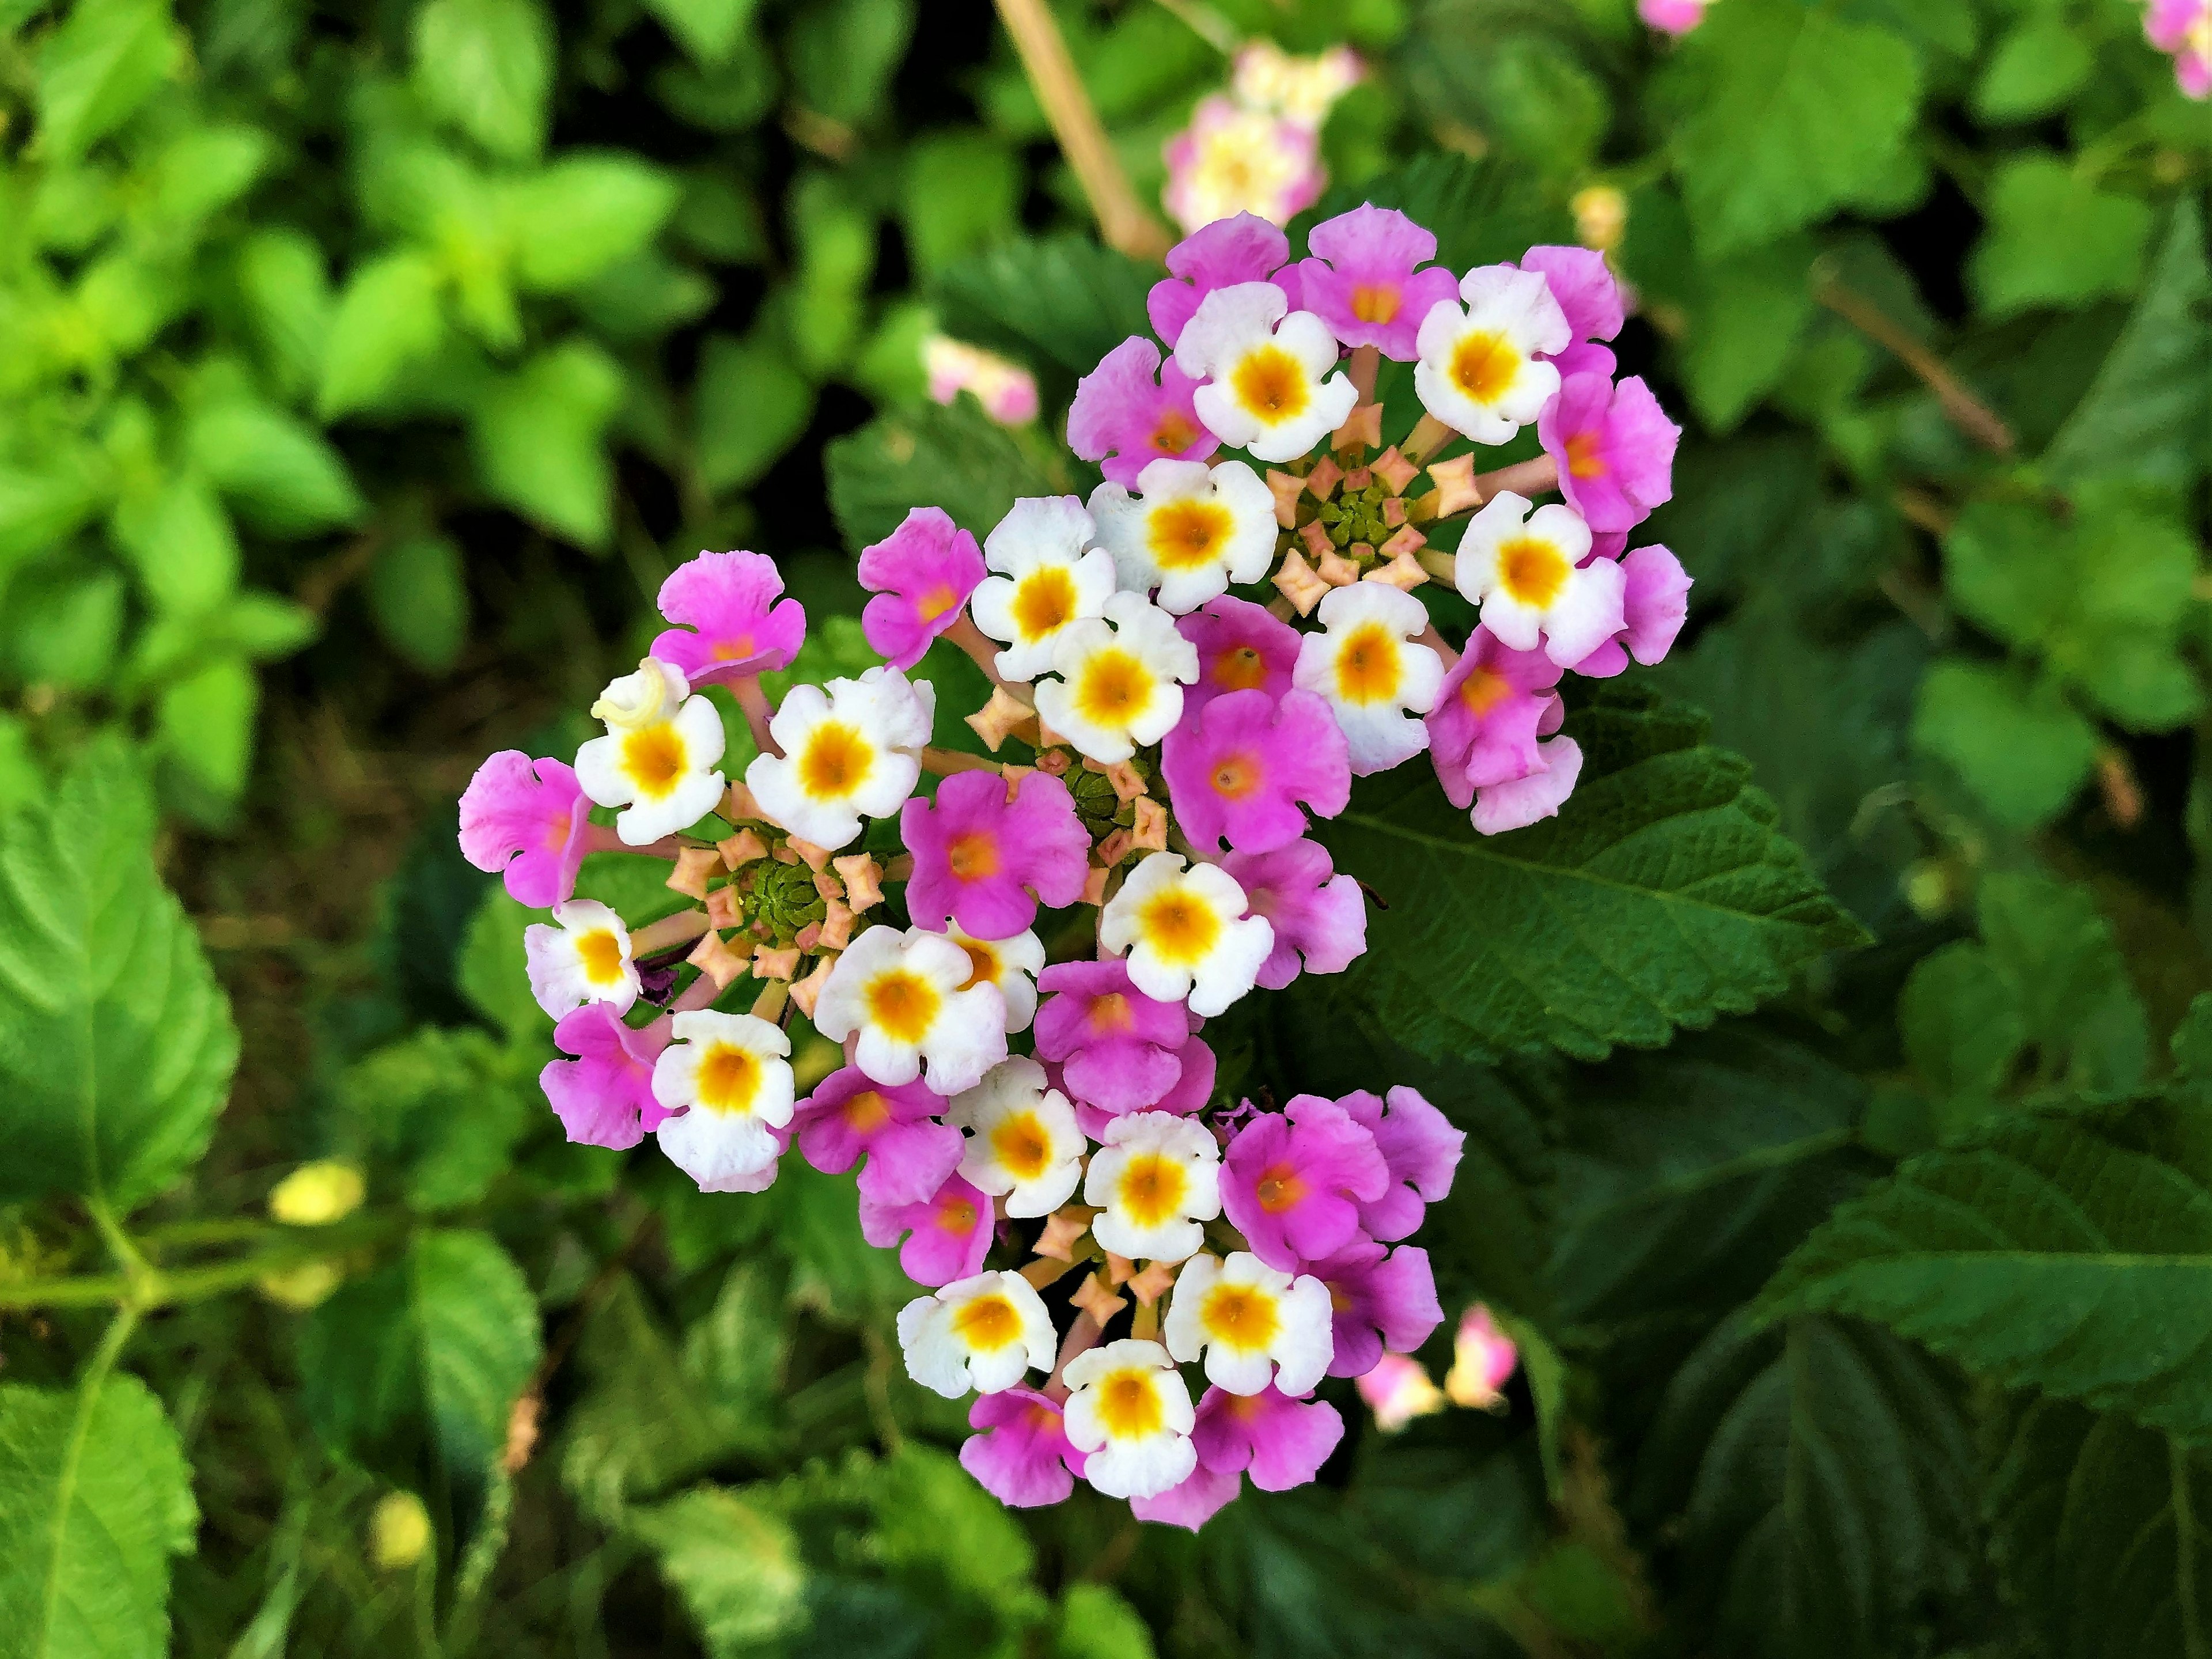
(1062, 301)
(956, 458)
(116, 1043)
(736, 1564)
(95, 1497)
(1664, 893)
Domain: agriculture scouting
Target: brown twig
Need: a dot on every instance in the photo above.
(1965, 411)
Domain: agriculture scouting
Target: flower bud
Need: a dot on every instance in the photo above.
(398, 1532)
(315, 1195)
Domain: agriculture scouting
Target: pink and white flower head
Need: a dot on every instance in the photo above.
(527, 822)
(1132, 411)
(1189, 532)
(603, 1097)
(1045, 581)
(1131, 1416)
(1320, 918)
(1264, 76)
(1293, 1182)
(1527, 572)
(986, 852)
(1230, 160)
(1156, 1181)
(657, 760)
(922, 575)
(1481, 369)
(1239, 770)
(947, 1235)
(1524, 801)
(1615, 449)
(894, 1126)
(1240, 248)
(1184, 930)
(1121, 679)
(1252, 1324)
(1374, 673)
(1380, 1299)
(1198, 1497)
(851, 751)
(1483, 1358)
(1022, 1456)
(1011, 965)
(1421, 1149)
(1655, 603)
(1007, 391)
(1281, 1443)
(1495, 704)
(908, 999)
(729, 1076)
(1675, 17)
(1242, 646)
(1590, 298)
(1271, 383)
(584, 957)
(984, 1333)
(1366, 279)
(1397, 1390)
(2183, 27)
(731, 618)
(1118, 1049)
(1022, 1142)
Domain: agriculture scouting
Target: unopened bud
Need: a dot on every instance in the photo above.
(315, 1195)
(308, 1285)
(398, 1532)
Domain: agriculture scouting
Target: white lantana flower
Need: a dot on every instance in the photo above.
(1377, 677)
(583, 957)
(1479, 372)
(657, 759)
(1158, 1178)
(982, 1332)
(851, 750)
(1011, 965)
(909, 997)
(1131, 1416)
(1529, 578)
(1190, 530)
(729, 1076)
(1185, 933)
(1268, 385)
(1046, 581)
(1023, 1143)
(1253, 1323)
(1120, 680)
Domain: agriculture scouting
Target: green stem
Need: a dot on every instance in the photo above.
(147, 1287)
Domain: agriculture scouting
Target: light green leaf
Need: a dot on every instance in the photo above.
(962, 190)
(205, 719)
(204, 169)
(2055, 238)
(584, 212)
(1096, 1623)
(388, 321)
(95, 1497)
(1503, 943)
(1743, 327)
(2016, 744)
(1961, 1022)
(181, 543)
(824, 307)
(1063, 301)
(536, 437)
(116, 1044)
(97, 69)
(956, 458)
(708, 29)
(279, 472)
(41, 510)
(486, 66)
(493, 968)
(2037, 68)
(64, 620)
(736, 1564)
(418, 595)
(751, 404)
(443, 1110)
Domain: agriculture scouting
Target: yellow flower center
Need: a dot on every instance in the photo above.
(836, 761)
(1271, 384)
(1374, 302)
(1151, 1188)
(1113, 688)
(987, 1323)
(1280, 1189)
(1110, 1013)
(1483, 365)
(935, 602)
(1185, 535)
(655, 759)
(1021, 1147)
(1044, 601)
(1129, 1406)
(866, 1112)
(1240, 669)
(974, 855)
(982, 964)
(1180, 928)
(1483, 690)
(902, 1005)
(955, 1214)
(1241, 1316)
(600, 952)
(1533, 572)
(729, 1078)
(1367, 665)
(1582, 460)
(732, 650)
(1174, 433)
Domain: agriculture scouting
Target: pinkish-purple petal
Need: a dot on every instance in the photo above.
(1132, 411)
(1022, 1457)
(523, 820)
(1201, 1495)
(1293, 1182)
(922, 575)
(1242, 646)
(985, 861)
(1484, 726)
(603, 1097)
(1320, 918)
(947, 1235)
(1280, 1442)
(730, 621)
(1656, 603)
(1422, 1149)
(1524, 801)
(1364, 283)
(1584, 286)
(1239, 771)
(1381, 1301)
(1242, 249)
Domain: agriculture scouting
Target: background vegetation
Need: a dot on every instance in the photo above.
(363, 370)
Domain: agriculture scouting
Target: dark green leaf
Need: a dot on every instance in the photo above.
(956, 458)
(736, 1564)
(2055, 238)
(2017, 743)
(1063, 301)
(751, 406)
(419, 597)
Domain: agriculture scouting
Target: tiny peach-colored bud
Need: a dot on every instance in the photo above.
(807, 937)
(1359, 478)
(1456, 488)
(1094, 884)
(1363, 426)
(775, 965)
(739, 804)
(836, 927)
(808, 991)
(1120, 1270)
(828, 885)
(1285, 487)
(1150, 832)
(716, 960)
(722, 907)
(1325, 478)
(693, 865)
(741, 848)
(1408, 541)
(1096, 1298)
(1055, 762)
(1062, 1228)
(863, 877)
(817, 858)
(1316, 537)
(1115, 847)
(1394, 469)
(1297, 582)
(1129, 783)
(1394, 509)
(1404, 572)
(1337, 570)
(1155, 1282)
(996, 720)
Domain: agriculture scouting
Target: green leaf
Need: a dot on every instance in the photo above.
(1961, 1022)
(421, 1362)
(2055, 238)
(493, 971)
(2016, 744)
(418, 595)
(843, 54)
(388, 321)
(277, 470)
(536, 437)
(1096, 1623)
(1743, 328)
(1819, 1480)
(955, 457)
(1783, 114)
(64, 621)
(2037, 68)
(1495, 943)
(2059, 957)
(443, 1111)
(116, 1043)
(751, 406)
(486, 66)
(95, 70)
(95, 1497)
(181, 543)
(206, 719)
(708, 29)
(41, 510)
(736, 1564)
(961, 190)
(204, 169)
(582, 212)
(2071, 1254)
(1063, 301)
(826, 306)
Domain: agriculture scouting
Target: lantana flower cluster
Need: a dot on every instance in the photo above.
(1255, 147)
(1141, 1281)
(2182, 29)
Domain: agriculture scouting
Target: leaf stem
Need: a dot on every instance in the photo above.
(1960, 407)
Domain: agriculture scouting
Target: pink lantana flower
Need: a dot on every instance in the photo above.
(1381, 1300)
(1483, 1357)
(1117, 1049)
(603, 1097)
(909, 1152)
(1364, 280)
(1242, 646)
(1238, 772)
(1193, 1501)
(1320, 918)
(1655, 603)
(1133, 409)
(1293, 1182)
(1675, 17)
(731, 619)
(1191, 1091)
(1615, 446)
(922, 575)
(1240, 248)
(1589, 297)
(2183, 27)
(1007, 391)
(1022, 1457)
(1397, 1390)
(527, 822)
(1280, 1442)
(985, 854)
(948, 1234)
(1520, 802)
(1422, 1149)
(1495, 704)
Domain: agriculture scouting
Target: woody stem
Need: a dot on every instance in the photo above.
(754, 701)
(946, 761)
(669, 930)
(1523, 478)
